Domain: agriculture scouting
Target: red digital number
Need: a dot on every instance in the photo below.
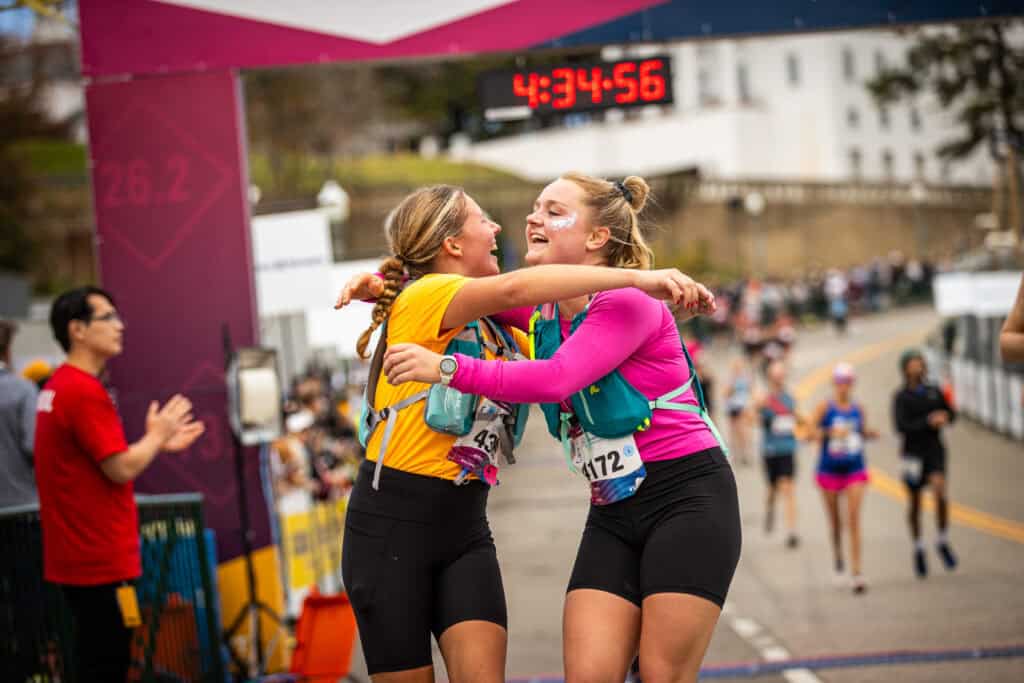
(567, 88)
(593, 83)
(526, 88)
(623, 81)
(652, 85)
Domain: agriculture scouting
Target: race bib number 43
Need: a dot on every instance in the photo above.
(477, 452)
(612, 466)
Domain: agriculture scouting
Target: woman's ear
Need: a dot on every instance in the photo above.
(598, 238)
(451, 246)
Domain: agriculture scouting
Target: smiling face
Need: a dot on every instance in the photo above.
(477, 242)
(559, 229)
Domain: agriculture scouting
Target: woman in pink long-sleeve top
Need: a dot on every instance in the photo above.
(662, 539)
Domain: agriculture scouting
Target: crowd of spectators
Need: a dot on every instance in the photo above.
(819, 295)
(319, 452)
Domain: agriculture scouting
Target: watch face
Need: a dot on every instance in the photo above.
(449, 366)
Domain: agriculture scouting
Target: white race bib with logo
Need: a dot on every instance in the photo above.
(612, 466)
(848, 445)
(783, 425)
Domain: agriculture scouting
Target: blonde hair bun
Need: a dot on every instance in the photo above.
(639, 191)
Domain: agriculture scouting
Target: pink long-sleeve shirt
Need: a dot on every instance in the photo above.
(624, 329)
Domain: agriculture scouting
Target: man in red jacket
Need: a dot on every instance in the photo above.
(84, 471)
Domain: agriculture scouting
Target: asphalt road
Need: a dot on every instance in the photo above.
(783, 605)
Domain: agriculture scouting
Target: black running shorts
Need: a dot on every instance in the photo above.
(680, 533)
(931, 462)
(778, 466)
(417, 558)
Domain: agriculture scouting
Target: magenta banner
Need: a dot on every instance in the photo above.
(165, 36)
(173, 243)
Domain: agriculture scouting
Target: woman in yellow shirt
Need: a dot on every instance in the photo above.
(418, 557)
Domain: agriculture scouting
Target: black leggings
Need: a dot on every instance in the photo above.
(102, 641)
(680, 533)
(417, 558)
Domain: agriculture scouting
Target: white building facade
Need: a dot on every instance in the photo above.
(791, 108)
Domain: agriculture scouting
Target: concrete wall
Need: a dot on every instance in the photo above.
(806, 227)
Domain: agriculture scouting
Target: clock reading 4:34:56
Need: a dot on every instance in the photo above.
(569, 87)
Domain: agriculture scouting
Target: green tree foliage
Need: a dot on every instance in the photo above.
(22, 117)
(975, 70)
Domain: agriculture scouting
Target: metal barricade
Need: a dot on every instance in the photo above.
(180, 637)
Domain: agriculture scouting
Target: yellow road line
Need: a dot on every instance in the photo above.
(809, 384)
(893, 488)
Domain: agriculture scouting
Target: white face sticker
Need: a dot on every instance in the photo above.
(563, 223)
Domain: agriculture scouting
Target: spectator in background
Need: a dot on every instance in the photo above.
(21, 620)
(85, 469)
(1011, 339)
(17, 427)
(837, 291)
(292, 468)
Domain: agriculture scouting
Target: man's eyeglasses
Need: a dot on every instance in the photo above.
(108, 317)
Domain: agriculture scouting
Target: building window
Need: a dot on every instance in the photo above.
(887, 164)
(919, 165)
(915, 119)
(879, 62)
(855, 163)
(883, 118)
(849, 70)
(793, 69)
(705, 89)
(853, 117)
(743, 83)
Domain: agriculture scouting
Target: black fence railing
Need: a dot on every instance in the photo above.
(179, 639)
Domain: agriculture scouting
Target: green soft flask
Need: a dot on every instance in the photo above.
(449, 410)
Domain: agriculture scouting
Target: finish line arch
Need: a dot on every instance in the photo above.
(169, 163)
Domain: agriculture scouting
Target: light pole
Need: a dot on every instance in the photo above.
(334, 202)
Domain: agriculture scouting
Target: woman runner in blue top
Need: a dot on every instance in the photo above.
(841, 468)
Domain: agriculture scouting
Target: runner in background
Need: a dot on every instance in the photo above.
(780, 421)
(842, 471)
(737, 403)
(920, 411)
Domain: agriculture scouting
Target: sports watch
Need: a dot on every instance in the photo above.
(448, 367)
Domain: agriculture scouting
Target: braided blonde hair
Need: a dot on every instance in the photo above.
(416, 230)
(626, 247)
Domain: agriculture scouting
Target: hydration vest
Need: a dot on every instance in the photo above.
(611, 407)
(448, 410)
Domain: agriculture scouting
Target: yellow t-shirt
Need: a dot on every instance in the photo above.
(416, 318)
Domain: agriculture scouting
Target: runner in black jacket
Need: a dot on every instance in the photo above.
(920, 411)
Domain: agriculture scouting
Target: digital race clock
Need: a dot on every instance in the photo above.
(577, 87)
